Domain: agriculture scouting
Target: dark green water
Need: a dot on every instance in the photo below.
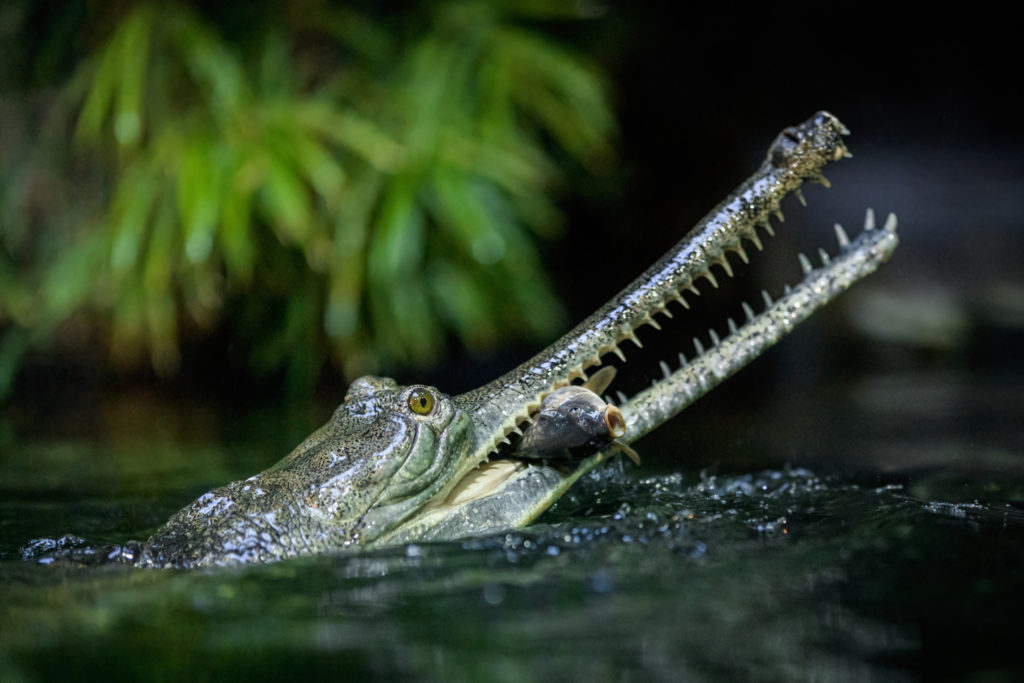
(891, 548)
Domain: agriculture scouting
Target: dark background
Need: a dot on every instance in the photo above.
(936, 133)
(937, 139)
(925, 356)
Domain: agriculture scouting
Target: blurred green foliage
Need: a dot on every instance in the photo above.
(322, 182)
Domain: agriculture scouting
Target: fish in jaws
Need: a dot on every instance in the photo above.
(400, 464)
(574, 422)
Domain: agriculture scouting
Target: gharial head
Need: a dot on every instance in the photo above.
(385, 452)
(400, 464)
(394, 463)
(384, 455)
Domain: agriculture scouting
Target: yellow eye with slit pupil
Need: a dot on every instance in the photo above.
(421, 402)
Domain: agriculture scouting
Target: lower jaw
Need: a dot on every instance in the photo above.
(499, 495)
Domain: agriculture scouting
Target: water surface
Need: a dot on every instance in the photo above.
(887, 546)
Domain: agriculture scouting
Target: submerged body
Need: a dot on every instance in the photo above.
(399, 464)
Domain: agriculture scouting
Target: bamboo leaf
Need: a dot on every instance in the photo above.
(284, 199)
(160, 308)
(344, 307)
(235, 225)
(133, 206)
(353, 132)
(397, 245)
(199, 187)
(132, 58)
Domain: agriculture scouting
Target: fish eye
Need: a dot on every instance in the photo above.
(421, 401)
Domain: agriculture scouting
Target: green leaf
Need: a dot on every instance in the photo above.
(397, 245)
(319, 168)
(132, 56)
(235, 227)
(285, 200)
(462, 299)
(132, 209)
(343, 315)
(353, 132)
(214, 67)
(199, 181)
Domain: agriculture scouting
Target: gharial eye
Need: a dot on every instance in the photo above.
(421, 401)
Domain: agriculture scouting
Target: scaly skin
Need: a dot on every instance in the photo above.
(402, 464)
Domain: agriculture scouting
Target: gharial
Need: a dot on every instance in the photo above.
(399, 464)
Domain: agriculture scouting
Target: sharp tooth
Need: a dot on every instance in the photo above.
(633, 338)
(506, 441)
(664, 311)
(653, 323)
(786, 290)
(843, 130)
(607, 398)
(767, 227)
(577, 373)
(693, 289)
(621, 396)
(844, 239)
(824, 181)
(800, 196)
(847, 154)
(725, 265)
(823, 255)
(682, 360)
(756, 240)
(715, 341)
(711, 278)
(805, 263)
(778, 215)
(732, 326)
(518, 432)
(869, 219)
(681, 300)
(618, 352)
(742, 254)
(697, 345)
(664, 369)
(626, 451)
(748, 311)
(767, 299)
(890, 223)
